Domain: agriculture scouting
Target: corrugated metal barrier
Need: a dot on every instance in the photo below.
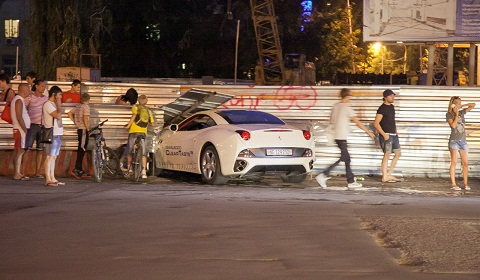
(421, 123)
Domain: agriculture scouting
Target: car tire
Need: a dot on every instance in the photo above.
(211, 168)
(294, 177)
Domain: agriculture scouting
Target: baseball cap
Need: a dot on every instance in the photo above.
(388, 92)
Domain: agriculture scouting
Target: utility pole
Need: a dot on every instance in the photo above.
(349, 13)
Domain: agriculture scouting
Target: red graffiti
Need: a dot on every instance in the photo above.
(284, 98)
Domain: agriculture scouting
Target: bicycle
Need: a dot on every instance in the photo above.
(137, 155)
(104, 159)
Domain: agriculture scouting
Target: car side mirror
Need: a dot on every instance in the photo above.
(173, 127)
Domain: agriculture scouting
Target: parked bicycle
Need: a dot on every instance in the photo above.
(104, 159)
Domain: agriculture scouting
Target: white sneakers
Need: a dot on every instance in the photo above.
(144, 174)
(354, 185)
(322, 180)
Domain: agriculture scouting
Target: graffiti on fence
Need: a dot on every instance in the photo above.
(284, 98)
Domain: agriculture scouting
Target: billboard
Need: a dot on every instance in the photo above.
(421, 20)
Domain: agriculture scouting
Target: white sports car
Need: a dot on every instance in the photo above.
(227, 144)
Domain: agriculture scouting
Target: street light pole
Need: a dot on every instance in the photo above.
(349, 12)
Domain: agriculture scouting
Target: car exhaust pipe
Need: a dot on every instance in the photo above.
(240, 165)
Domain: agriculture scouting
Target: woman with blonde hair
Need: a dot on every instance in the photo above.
(458, 138)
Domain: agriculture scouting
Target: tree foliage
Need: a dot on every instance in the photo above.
(61, 30)
(336, 48)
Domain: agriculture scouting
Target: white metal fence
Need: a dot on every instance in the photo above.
(420, 113)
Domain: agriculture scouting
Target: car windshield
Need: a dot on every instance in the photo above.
(249, 117)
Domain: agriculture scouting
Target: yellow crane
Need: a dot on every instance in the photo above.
(270, 66)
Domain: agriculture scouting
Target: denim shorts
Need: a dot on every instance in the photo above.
(54, 148)
(458, 145)
(131, 141)
(391, 145)
(33, 135)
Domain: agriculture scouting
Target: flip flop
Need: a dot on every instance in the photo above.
(51, 184)
(60, 183)
(389, 181)
(23, 178)
(39, 176)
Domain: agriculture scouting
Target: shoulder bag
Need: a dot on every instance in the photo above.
(7, 112)
(46, 134)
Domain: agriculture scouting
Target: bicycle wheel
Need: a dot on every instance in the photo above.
(111, 162)
(97, 164)
(137, 162)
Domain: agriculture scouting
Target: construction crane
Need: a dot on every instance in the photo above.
(270, 66)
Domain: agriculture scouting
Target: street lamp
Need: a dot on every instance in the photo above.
(378, 48)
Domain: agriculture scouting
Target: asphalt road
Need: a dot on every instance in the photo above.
(182, 229)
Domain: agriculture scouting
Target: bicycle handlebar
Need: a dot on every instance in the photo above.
(98, 126)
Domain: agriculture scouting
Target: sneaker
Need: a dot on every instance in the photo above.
(76, 173)
(456, 188)
(322, 180)
(354, 185)
(144, 174)
(467, 188)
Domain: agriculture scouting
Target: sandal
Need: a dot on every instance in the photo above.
(51, 184)
(389, 181)
(467, 188)
(23, 178)
(60, 183)
(39, 176)
(455, 188)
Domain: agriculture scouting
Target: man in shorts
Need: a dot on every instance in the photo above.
(141, 118)
(34, 108)
(387, 129)
(21, 124)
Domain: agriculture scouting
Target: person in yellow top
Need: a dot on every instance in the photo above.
(141, 118)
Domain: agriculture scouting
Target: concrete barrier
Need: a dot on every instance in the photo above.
(65, 162)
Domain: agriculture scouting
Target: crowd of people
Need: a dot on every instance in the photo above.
(33, 108)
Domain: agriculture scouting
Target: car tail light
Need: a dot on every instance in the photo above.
(246, 153)
(244, 134)
(307, 135)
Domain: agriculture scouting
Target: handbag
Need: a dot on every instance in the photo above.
(46, 134)
(7, 113)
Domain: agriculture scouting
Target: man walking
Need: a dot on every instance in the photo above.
(21, 124)
(340, 117)
(388, 138)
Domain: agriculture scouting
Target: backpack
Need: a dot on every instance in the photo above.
(143, 116)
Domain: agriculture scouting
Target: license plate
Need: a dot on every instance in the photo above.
(279, 152)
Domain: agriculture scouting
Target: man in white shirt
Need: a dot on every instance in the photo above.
(21, 124)
(340, 117)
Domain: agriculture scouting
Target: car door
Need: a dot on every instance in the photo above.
(183, 146)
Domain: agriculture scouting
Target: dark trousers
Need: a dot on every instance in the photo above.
(345, 157)
(81, 148)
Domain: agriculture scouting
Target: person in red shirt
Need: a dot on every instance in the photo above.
(73, 95)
